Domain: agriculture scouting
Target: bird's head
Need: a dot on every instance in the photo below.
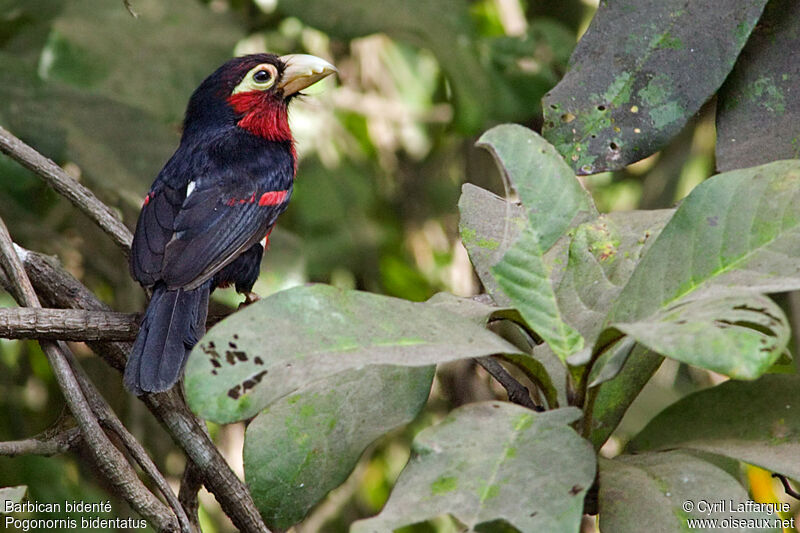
(252, 92)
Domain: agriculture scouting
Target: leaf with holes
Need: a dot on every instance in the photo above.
(554, 201)
(633, 79)
(738, 335)
(306, 444)
(758, 111)
(493, 461)
(739, 230)
(292, 339)
(663, 483)
(756, 422)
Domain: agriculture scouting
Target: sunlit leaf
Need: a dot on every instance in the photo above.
(633, 80)
(493, 461)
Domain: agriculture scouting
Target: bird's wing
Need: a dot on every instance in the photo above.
(184, 239)
(216, 224)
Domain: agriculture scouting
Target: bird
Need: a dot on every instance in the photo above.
(206, 220)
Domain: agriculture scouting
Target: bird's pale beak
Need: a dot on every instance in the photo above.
(303, 70)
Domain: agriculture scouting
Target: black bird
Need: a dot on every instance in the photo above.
(207, 218)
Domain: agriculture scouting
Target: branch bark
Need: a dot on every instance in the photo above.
(67, 186)
(58, 288)
(61, 442)
(67, 324)
(110, 461)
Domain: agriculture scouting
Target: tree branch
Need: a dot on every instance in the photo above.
(58, 443)
(67, 186)
(67, 324)
(109, 459)
(786, 486)
(58, 288)
(517, 392)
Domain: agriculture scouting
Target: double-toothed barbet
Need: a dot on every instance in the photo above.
(206, 220)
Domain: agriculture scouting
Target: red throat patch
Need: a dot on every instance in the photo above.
(264, 116)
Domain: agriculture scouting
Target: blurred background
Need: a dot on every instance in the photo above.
(384, 149)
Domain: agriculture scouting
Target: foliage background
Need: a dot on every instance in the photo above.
(384, 148)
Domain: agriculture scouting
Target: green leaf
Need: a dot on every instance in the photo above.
(758, 112)
(489, 225)
(663, 483)
(554, 201)
(443, 27)
(152, 62)
(288, 341)
(306, 444)
(11, 494)
(738, 335)
(602, 256)
(756, 422)
(633, 80)
(494, 461)
(737, 230)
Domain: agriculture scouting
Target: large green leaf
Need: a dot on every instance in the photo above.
(758, 112)
(674, 487)
(555, 202)
(443, 27)
(152, 62)
(755, 422)
(494, 461)
(306, 444)
(633, 80)
(738, 230)
(293, 338)
(737, 335)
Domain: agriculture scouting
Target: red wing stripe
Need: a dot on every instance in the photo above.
(272, 198)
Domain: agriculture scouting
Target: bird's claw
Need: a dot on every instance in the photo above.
(249, 298)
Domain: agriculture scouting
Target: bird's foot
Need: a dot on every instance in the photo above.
(249, 298)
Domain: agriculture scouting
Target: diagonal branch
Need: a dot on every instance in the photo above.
(67, 186)
(110, 461)
(517, 392)
(58, 288)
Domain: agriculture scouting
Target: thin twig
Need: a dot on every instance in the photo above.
(58, 443)
(129, 7)
(110, 461)
(58, 288)
(191, 482)
(786, 486)
(67, 324)
(67, 186)
(517, 392)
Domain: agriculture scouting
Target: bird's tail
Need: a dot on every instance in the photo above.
(173, 323)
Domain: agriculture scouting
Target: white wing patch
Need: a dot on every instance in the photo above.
(190, 188)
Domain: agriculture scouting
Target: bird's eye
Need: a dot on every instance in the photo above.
(262, 76)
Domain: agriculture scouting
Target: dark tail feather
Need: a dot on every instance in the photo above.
(173, 323)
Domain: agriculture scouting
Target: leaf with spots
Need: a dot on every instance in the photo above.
(304, 445)
(738, 231)
(758, 110)
(292, 339)
(739, 335)
(756, 422)
(555, 202)
(663, 483)
(493, 461)
(633, 80)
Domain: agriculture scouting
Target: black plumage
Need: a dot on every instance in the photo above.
(210, 206)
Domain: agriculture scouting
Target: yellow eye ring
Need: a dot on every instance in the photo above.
(259, 78)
